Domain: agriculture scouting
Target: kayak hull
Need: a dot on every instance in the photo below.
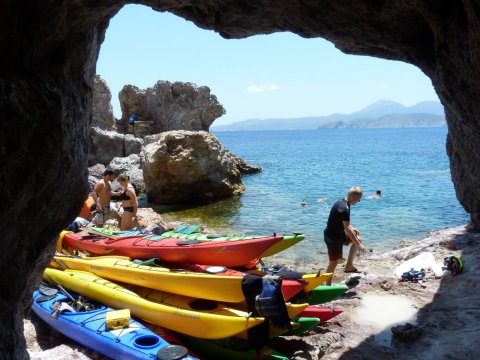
(290, 288)
(322, 293)
(88, 328)
(322, 313)
(174, 312)
(229, 253)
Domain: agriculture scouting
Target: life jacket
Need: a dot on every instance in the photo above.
(87, 208)
(264, 298)
(453, 264)
(270, 303)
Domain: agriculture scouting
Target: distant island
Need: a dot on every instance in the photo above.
(381, 114)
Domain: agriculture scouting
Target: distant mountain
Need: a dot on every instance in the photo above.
(390, 121)
(303, 123)
(381, 114)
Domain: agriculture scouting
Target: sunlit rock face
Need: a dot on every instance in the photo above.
(105, 145)
(169, 106)
(49, 51)
(181, 166)
(102, 111)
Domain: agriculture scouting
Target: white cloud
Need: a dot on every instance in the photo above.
(262, 88)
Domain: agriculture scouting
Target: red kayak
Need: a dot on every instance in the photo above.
(307, 283)
(323, 313)
(289, 287)
(233, 252)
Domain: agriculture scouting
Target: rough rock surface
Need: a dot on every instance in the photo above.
(102, 111)
(106, 145)
(447, 318)
(49, 52)
(243, 167)
(169, 106)
(131, 166)
(184, 166)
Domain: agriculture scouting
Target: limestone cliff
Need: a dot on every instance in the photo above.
(184, 166)
(169, 106)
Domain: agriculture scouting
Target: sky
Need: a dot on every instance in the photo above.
(280, 75)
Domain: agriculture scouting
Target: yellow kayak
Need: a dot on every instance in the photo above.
(182, 282)
(175, 312)
(227, 288)
(288, 241)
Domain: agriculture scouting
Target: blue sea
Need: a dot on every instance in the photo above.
(410, 166)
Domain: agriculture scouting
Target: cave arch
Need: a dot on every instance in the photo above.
(49, 51)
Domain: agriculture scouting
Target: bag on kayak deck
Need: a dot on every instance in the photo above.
(283, 272)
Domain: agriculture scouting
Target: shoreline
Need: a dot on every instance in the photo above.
(445, 308)
(438, 303)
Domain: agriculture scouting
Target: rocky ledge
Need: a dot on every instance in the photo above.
(445, 311)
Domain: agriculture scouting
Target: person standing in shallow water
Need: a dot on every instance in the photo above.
(340, 232)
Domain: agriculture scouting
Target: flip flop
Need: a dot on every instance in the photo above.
(354, 270)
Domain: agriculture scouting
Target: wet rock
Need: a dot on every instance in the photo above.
(407, 332)
(243, 167)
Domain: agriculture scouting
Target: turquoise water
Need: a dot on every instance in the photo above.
(410, 166)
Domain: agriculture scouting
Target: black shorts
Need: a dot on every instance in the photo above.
(335, 247)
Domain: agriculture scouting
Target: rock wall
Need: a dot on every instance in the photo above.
(102, 111)
(169, 106)
(47, 68)
(184, 166)
(105, 145)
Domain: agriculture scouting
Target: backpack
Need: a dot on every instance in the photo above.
(453, 264)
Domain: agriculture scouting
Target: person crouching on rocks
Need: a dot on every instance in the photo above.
(129, 203)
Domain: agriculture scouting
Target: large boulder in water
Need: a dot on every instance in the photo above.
(184, 166)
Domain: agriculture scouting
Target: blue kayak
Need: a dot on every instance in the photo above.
(86, 323)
